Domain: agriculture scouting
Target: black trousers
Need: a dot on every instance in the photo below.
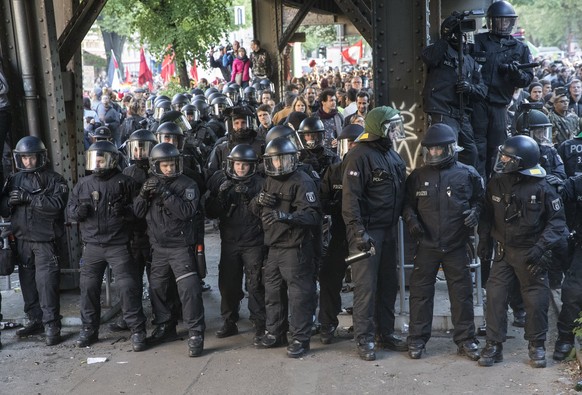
(490, 128)
(234, 262)
(376, 287)
(422, 289)
(535, 292)
(571, 297)
(39, 275)
(181, 262)
(331, 274)
(94, 262)
(287, 270)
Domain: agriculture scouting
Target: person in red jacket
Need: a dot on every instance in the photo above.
(240, 68)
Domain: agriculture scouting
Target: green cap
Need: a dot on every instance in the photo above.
(374, 120)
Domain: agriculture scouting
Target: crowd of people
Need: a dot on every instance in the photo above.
(271, 172)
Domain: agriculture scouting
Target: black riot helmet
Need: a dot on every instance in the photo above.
(280, 157)
(162, 107)
(139, 144)
(178, 118)
(203, 108)
(439, 145)
(191, 113)
(30, 154)
(196, 91)
(100, 133)
(161, 98)
(166, 161)
(210, 91)
(241, 123)
(231, 92)
(179, 100)
(519, 154)
(169, 132)
(501, 18)
(536, 125)
(250, 94)
(311, 132)
(347, 136)
(241, 163)
(266, 84)
(101, 157)
(219, 104)
(286, 132)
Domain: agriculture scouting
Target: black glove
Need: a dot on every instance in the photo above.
(554, 180)
(117, 209)
(272, 216)
(266, 199)
(83, 211)
(224, 188)
(472, 218)
(484, 249)
(242, 190)
(416, 230)
(464, 86)
(536, 260)
(148, 188)
(512, 70)
(363, 241)
(19, 196)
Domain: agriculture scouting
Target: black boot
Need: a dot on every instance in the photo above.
(272, 341)
(87, 336)
(492, 353)
(52, 331)
(195, 345)
(229, 328)
(391, 342)
(138, 341)
(297, 349)
(118, 326)
(259, 333)
(562, 349)
(31, 328)
(163, 333)
(519, 318)
(415, 349)
(470, 349)
(327, 333)
(537, 354)
(366, 349)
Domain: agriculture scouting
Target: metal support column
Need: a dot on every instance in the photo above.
(268, 28)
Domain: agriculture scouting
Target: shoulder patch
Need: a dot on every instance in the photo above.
(190, 193)
(310, 196)
(556, 204)
(314, 175)
(353, 173)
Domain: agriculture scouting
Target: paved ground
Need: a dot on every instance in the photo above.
(233, 365)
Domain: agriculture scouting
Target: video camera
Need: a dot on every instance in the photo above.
(463, 23)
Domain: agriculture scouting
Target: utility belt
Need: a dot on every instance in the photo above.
(453, 113)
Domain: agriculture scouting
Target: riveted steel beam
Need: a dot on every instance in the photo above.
(76, 30)
(360, 14)
(268, 28)
(294, 24)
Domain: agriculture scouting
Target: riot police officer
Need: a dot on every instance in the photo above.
(241, 234)
(288, 207)
(333, 265)
(500, 54)
(312, 132)
(445, 85)
(169, 201)
(101, 203)
(372, 198)
(442, 207)
(525, 216)
(35, 199)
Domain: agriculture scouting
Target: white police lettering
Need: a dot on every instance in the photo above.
(421, 193)
(576, 148)
(310, 196)
(496, 199)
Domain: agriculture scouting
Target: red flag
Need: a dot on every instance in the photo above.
(145, 74)
(354, 53)
(168, 67)
(194, 71)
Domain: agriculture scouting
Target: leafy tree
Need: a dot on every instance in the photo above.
(316, 35)
(115, 25)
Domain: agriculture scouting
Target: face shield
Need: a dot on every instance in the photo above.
(438, 154)
(542, 135)
(158, 112)
(502, 26)
(174, 139)
(312, 140)
(394, 128)
(343, 147)
(218, 109)
(505, 163)
(100, 161)
(139, 150)
(233, 95)
(183, 123)
(240, 170)
(167, 167)
(240, 123)
(192, 115)
(279, 165)
(29, 162)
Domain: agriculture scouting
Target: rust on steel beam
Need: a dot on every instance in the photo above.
(360, 14)
(74, 33)
(294, 24)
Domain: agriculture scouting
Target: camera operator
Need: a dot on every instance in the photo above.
(501, 56)
(221, 62)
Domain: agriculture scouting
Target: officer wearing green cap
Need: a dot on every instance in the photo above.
(372, 199)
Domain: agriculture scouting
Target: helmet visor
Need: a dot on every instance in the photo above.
(278, 165)
(343, 147)
(506, 163)
(139, 149)
(99, 161)
(192, 115)
(167, 167)
(502, 26)
(158, 112)
(312, 140)
(542, 135)
(394, 128)
(438, 154)
(174, 139)
(29, 161)
(234, 124)
(183, 123)
(240, 170)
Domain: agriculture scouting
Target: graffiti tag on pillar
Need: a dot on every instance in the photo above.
(409, 148)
